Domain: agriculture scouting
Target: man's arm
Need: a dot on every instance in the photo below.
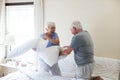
(67, 50)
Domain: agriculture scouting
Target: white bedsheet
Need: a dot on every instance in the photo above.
(107, 68)
(15, 76)
(21, 76)
(32, 74)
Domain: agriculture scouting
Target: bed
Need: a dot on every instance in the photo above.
(107, 68)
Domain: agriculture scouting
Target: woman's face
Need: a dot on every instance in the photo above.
(51, 29)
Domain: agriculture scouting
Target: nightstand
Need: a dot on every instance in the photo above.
(6, 69)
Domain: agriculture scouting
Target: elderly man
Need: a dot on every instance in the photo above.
(82, 45)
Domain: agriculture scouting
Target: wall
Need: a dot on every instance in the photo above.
(100, 17)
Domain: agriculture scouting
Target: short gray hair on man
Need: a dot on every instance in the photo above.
(50, 24)
(76, 24)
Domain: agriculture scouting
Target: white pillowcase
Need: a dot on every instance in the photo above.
(49, 55)
(21, 49)
(40, 44)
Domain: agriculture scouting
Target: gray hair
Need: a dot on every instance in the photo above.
(50, 24)
(76, 24)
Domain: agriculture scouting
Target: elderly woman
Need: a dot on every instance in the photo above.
(52, 37)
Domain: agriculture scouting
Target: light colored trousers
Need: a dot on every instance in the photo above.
(84, 72)
(54, 70)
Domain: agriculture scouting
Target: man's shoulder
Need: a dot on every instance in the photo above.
(83, 33)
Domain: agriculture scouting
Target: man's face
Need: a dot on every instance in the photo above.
(73, 30)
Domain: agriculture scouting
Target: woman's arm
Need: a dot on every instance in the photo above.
(49, 38)
(55, 41)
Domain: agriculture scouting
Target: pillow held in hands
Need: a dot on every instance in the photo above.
(49, 55)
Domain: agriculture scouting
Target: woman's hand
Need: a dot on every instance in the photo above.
(34, 49)
(48, 36)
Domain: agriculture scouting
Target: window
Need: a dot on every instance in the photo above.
(20, 23)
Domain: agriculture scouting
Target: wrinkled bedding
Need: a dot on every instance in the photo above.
(107, 68)
(28, 74)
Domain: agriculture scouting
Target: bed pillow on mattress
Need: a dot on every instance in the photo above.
(49, 55)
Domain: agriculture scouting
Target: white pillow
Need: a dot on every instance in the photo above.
(41, 44)
(49, 55)
(21, 49)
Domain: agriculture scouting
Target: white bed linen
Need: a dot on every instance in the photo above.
(15, 76)
(107, 68)
(32, 75)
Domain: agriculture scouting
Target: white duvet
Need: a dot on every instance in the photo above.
(107, 68)
(28, 74)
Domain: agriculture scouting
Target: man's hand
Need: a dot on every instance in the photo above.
(62, 51)
(66, 50)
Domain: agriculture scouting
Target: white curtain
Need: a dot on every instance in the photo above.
(2, 29)
(39, 17)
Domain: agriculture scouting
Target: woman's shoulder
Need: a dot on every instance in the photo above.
(55, 34)
(42, 35)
